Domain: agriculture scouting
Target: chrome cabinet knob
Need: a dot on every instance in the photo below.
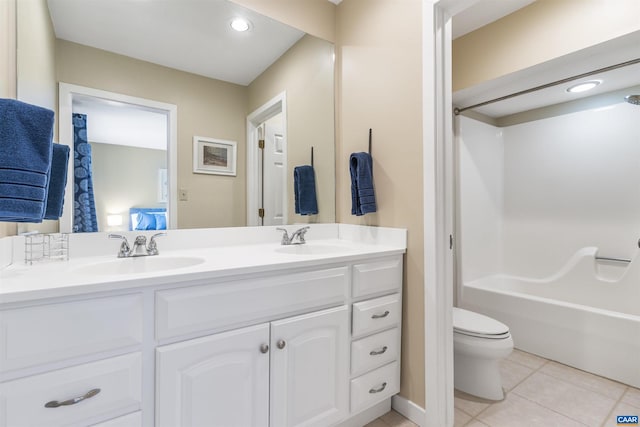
(264, 348)
(281, 344)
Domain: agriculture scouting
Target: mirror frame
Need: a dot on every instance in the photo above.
(65, 111)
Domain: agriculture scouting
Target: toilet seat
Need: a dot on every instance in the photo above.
(467, 322)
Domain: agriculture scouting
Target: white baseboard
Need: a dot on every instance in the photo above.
(408, 409)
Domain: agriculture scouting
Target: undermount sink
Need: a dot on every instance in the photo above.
(312, 249)
(137, 265)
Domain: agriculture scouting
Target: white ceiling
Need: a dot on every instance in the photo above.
(111, 122)
(188, 35)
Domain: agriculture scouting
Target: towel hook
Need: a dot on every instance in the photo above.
(369, 141)
(312, 156)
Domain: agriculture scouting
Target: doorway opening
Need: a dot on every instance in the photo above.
(163, 178)
(267, 164)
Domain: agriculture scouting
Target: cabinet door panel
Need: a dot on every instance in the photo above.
(309, 374)
(217, 381)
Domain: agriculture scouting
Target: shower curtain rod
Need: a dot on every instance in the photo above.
(457, 111)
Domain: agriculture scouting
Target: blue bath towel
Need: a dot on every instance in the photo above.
(363, 198)
(26, 133)
(57, 181)
(304, 190)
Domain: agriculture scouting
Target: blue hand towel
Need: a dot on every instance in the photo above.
(26, 133)
(57, 181)
(304, 190)
(363, 198)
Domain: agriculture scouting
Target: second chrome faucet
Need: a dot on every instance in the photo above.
(140, 247)
(289, 240)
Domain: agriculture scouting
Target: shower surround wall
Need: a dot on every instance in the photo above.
(532, 194)
(538, 202)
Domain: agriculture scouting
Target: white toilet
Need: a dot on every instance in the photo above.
(479, 344)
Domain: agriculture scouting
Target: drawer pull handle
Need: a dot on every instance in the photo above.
(378, 352)
(380, 316)
(264, 348)
(379, 389)
(87, 395)
(281, 344)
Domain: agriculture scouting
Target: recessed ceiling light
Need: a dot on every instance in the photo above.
(584, 86)
(240, 24)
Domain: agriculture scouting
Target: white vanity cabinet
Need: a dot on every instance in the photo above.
(316, 344)
(71, 363)
(218, 380)
(295, 369)
(310, 369)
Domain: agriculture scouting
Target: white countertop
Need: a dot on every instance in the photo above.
(81, 275)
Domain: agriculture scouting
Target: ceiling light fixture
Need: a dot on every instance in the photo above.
(584, 86)
(240, 24)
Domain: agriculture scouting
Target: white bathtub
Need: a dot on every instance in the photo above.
(587, 315)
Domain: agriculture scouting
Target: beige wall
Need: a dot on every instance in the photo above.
(305, 72)
(7, 71)
(315, 17)
(7, 49)
(135, 171)
(379, 84)
(540, 32)
(36, 55)
(30, 52)
(206, 107)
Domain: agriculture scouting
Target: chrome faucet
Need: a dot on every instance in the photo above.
(140, 247)
(299, 233)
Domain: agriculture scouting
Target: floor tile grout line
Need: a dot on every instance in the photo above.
(551, 409)
(615, 405)
(512, 388)
(582, 388)
(590, 373)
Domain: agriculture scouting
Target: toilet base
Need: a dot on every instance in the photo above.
(478, 376)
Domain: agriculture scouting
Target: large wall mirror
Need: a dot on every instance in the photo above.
(125, 66)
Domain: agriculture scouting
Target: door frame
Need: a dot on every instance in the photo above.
(439, 207)
(65, 122)
(276, 105)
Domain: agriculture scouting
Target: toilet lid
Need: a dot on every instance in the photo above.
(475, 324)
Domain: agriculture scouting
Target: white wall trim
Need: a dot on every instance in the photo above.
(65, 123)
(408, 409)
(277, 104)
(438, 208)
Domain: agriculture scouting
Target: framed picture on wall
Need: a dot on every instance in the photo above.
(214, 156)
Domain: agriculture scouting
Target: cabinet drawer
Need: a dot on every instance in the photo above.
(119, 380)
(376, 314)
(131, 420)
(210, 307)
(374, 351)
(377, 276)
(374, 387)
(53, 332)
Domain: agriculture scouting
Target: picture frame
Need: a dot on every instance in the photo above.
(214, 156)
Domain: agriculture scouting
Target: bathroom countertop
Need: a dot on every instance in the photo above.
(20, 282)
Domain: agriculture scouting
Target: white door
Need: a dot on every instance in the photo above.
(310, 369)
(273, 173)
(217, 381)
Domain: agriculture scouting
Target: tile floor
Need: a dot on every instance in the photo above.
(540, 393)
